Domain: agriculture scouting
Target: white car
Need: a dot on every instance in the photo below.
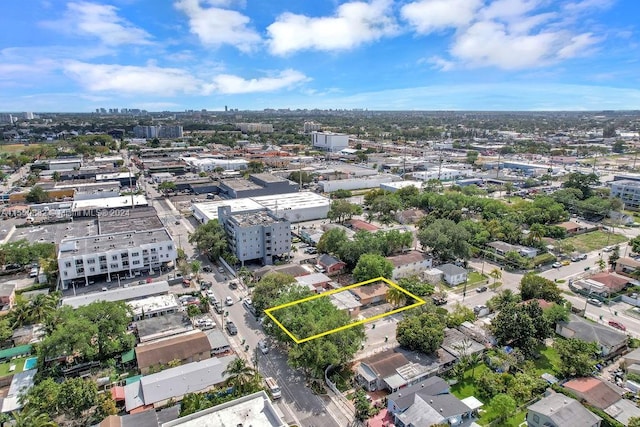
(228, 301)
(262, 345)
(556, 265)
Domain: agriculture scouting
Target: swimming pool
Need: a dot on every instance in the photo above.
(30, 363)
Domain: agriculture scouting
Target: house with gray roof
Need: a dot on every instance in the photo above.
(610, 341)
(156, 389)
(427, 403)
(452, 274)
(558, 410)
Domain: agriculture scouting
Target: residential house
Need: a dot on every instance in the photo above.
(156, 390)
(316, 282)
(7, 296)
(371, 294)
(392, 370)
(427, 403)
(610, 341)
(192, 346)
(452, 274)
(410, 216)
(346, 301)
(359, 225)
(558, 410)
(612, 282)
(218, 342)
(170, 324)
(330, 264)
(572, 228)
(142, 419)
(409, 263)
(627, 266)
(597, 393)
(501, 248)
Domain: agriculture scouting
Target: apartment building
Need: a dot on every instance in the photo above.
(82, 260)
(256, 235)
(149, 132)
(628, 191)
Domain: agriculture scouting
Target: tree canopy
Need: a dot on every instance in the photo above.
(447, 240)
(210, 239)
(534, 286)
(577, 357)
(421, 330)
(370, 266)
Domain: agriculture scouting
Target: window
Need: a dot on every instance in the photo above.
(114, 265)
(170, 247)
(136, 262)
(103, 258)
(536, 419)
(92, 269)
(135, 253)
(67, 264)
(91, 261)
(114, 258)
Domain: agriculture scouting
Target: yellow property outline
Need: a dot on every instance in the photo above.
(269, 311)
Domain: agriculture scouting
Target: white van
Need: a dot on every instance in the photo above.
(272, 385)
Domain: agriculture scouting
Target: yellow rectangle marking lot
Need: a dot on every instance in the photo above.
(269, 312)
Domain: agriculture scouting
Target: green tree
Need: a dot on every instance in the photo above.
(503, 405)
(196, 266)
(423, 332)
(577, 357)
(521, 326)
(71, 397)
(614, 256)
(495, 274)
(446, 239)
(37, 195)
(582, 182)
(297, 176)
(255, 166)
(633, 422)
(167, 186)
(5, 329)
(371, 266)
(332, 241)
(210, 239)
(341, 194)
(30, 417)
(342, 210)
(601, 264)
(472, 157)
(396, 297)
(240, 375)
(362, 405)
(534, 286)
(269, 288)
(459, 315)
(415, 286)
(56, 176)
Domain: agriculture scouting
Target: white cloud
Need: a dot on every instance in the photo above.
(154, 80)
(353, 24)
(215, 26)
(427, 16)
(508, 9)
(131, 79)
(579, 45)
(230, 84)
(100, 21)
(440, 63)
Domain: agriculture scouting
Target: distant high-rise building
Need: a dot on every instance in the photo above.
(256, 127)
(329, 141)
(150, 132)
(226, 109)
(311, 127)
(6, 118)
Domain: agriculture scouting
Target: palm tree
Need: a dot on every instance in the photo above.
(239, 374)
(41, 307)
(21, 312)
(536, 232)
(396, 297)
(29, 417)
(496, 274)
(196, 266)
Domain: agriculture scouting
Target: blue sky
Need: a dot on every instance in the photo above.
(376, 54)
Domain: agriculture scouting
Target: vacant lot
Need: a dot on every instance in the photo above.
(14, 148)
(595, 240)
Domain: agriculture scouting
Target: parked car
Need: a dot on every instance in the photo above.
(220, 269)
(607, 249)
(228, 300)
(578, 257)
(217, 306)
(233, 285)
(231, 328)
(617, 325)
(595, 301)
(439, 300)
(481, 289)
(556, 265)
(262, 345)
(207, 269)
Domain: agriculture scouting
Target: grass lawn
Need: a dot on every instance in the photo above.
(4, 368)
(475, 277)
(488, 415)
(595, 240)
(15, 148)
(467, 387)
(549, 361)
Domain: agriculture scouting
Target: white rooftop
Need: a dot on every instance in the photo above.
(301, 200)
(109, 202)
(255, 410)
(153, 304)
(402, 184)
(210, 209)
(118, 294)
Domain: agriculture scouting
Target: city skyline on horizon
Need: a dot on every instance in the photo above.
(376, 55)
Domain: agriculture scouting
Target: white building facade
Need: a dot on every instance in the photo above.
(328, 141)
(126, 254)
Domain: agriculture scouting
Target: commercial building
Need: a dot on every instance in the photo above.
(130, 293)
(192, 346)
(329, 141)
(154, 306)
(128, 253)
(395, 186)
(258, 235)
(294, 207)
(442, 174)
(357, 183)
(209, 164)
(255, 127)
(262, 184)
(254, 410)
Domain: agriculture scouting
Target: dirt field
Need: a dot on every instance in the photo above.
(14, 148)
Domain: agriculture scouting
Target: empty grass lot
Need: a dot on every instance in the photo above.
(4, 367)
(595, 240)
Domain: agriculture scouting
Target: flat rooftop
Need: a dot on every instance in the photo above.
(255, 410)
(255, 218)
(165, 325)
(138, 219)
(240, 184)
(153, 303)
(267, 177)
(110, 203)
(626, 182)
(210, 209)
(76, 246)
(119, 294)
(301, 200)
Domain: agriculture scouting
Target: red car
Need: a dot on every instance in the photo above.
(617, 325)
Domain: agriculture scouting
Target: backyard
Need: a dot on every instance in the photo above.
(595, 240)
(19, 366)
